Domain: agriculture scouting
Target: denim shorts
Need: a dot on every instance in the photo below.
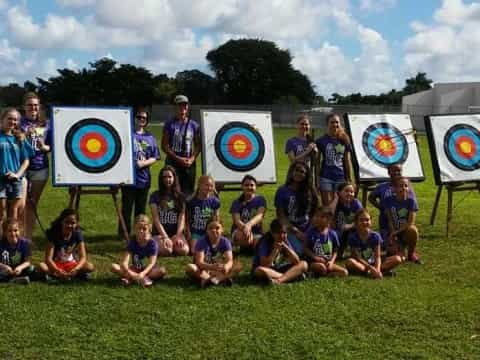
(11, 189)
(329, 185)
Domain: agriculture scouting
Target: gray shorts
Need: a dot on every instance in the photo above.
(37, 175)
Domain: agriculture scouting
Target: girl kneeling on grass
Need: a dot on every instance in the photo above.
(321, 245)
(66, 254)
(365, 246)
(143, 250)
(213, 258)
(248, 212)
(275, 260)
(15, 253)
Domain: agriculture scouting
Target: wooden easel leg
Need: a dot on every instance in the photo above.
(120, 216)
(364, 195)
(435, 205)
(449, 210)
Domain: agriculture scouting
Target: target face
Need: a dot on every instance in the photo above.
(382, 140)
(239, 146)
(93, 145)
(462, 147)
(384, 144)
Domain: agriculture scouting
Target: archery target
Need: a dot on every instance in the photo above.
(236, 143)
(381, 140)
(239, 146)
(455, 146)
(92, 146)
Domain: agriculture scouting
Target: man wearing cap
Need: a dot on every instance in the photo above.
(181, 143)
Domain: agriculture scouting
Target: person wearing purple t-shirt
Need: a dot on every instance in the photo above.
(248, 212)
(142, 250)
(168, 211)
(345, 205)
(146, 153)
(401, 213)
(301, 147)
(333, 162)
(275, 259)
(213, 262)
(365, 247)
(321, 245)
(38, 134)
(295, 203)
(181, 143)
(15, 253)
(202, 207)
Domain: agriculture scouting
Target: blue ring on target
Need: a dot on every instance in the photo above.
(250, 152)
(103, 133)
(468, 160)
(396, 149)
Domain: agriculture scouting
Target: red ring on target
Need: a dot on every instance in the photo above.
(240, 146)
(385, 145)
(93, 145)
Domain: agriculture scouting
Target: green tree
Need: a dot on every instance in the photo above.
(252, 71)
(416, 84)
(200, 88)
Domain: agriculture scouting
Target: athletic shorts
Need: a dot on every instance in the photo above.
(325, 184)
(37, 175)
(66, 266)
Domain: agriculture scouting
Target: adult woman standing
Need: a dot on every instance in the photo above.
(38, 133)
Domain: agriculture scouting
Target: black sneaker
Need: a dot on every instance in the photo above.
(228, 282)
(389, 273)
(23, 280)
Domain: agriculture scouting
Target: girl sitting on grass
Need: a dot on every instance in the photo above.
(15, 253)
(143, 250)
(202, 207)
(365, 246)
(248, 212)
(321, 245)
(66, 254)
(168, 212)
(275, 260)
(213, 258)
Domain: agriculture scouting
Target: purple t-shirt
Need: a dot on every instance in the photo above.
(14, 255)
(265, 248)
(344, 214)
(141, 254)
(285, 200)
(167, 213)
(145, 147)
(333, 151)
(200, 211)
(34, 133)
(176, 132)
(399, 210)
(66, 250)
(383, 191)
(212, 254)
(365, 249)
(322, 245)
(248, 210)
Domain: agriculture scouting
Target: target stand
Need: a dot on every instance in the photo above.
(454, 141)
(93, 147)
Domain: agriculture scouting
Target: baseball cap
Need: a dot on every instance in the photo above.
(179, 99)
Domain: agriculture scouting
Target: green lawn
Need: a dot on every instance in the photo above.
(429, 311)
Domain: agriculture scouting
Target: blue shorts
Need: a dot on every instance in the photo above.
(296, 243)
(11, 190)
(329, 185)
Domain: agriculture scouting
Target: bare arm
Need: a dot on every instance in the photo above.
(156, 220)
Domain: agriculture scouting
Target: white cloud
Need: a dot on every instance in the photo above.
(376, 5)
(445, 49)
(75, 3)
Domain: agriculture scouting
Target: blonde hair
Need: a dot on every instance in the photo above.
(142, 219)
(8, 110)
(203, 179)
(42, 119)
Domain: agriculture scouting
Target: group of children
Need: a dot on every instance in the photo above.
(304, 236)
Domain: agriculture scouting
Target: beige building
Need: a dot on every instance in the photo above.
(443, 98)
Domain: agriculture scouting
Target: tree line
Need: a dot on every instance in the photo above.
(246, 71)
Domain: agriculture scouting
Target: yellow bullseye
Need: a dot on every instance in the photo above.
(385, 145)
(466, 147)
(239, 146)
(93, 145)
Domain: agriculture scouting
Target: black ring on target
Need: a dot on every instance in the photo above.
(93, 145)
(239, 146)
(462, 146)
(385, 144)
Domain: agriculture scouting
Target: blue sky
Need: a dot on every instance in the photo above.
(344, 46)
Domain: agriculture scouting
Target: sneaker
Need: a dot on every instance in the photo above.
(146, 282)
(415, 259)
(204, 283)
(389, 273)
(303, 277)
(125, 281)
(214, 281)
(23, 280)
(84, 276)
(228, 282)
(50, 279)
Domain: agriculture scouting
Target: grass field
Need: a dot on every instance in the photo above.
(426, 312)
